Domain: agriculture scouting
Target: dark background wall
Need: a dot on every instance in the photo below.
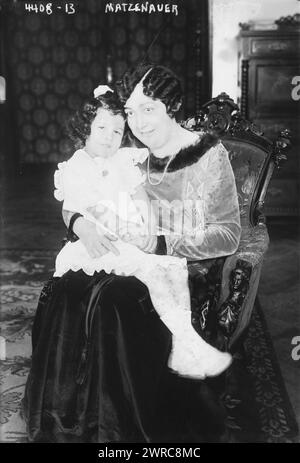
(52, 62)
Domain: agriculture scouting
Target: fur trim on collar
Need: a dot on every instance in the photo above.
(186, 156)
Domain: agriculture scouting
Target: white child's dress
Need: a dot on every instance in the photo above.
(88, 185)
(85, 185)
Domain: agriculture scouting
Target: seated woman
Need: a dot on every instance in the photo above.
(105, 323)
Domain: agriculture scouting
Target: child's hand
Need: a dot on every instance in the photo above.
(97, 245)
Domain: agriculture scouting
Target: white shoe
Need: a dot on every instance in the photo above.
(191, 356)
(199, 364)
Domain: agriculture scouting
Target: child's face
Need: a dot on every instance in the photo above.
(106, 134)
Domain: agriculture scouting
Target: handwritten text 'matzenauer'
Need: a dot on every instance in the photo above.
(145, 7)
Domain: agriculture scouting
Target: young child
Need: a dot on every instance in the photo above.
(104, 183)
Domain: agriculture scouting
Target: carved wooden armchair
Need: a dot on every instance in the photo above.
(253, 158)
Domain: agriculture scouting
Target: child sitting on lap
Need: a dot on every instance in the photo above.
(103, 182)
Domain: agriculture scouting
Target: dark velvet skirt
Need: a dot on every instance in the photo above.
(99, 369)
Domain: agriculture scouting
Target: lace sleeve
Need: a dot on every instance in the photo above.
(58, 182)
(74, 185)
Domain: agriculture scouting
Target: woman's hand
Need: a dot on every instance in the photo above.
(143, 241)
(147, 243)
(96, 244)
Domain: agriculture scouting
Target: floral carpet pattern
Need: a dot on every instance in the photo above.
(22, 275)
(277, 419)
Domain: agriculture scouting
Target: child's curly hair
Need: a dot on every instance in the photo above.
(78, 127)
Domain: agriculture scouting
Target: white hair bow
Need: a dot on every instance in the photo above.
(101, 90)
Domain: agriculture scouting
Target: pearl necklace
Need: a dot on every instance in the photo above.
(164, 172)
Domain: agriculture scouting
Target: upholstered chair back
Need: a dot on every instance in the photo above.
(249, 163)
(253, 157)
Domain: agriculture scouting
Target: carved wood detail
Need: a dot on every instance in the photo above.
(222, 116)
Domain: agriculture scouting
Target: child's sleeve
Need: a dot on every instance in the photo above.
(73, 186)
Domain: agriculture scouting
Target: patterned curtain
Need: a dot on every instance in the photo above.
(177, 46)
(56, 60)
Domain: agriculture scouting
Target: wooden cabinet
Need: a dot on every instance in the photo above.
(269, 60)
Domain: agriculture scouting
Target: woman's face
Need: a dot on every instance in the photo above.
(106, 134)
(148, 119)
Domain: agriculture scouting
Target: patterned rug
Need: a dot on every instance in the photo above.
(22, 274)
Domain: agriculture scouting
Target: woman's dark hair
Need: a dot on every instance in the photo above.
(78, 127)
(159, 83)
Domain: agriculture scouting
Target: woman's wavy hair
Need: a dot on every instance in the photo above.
(159, 83)
(78, 127)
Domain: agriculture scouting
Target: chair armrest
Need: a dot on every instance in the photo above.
(241, 273)
(253, 245)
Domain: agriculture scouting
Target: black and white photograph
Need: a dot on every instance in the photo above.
(149, 234)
